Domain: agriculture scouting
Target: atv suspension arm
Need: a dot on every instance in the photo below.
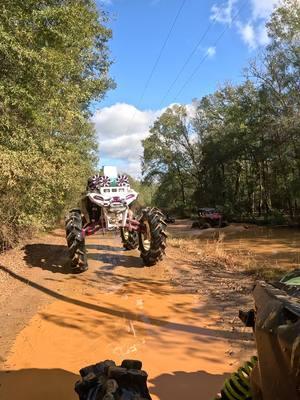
(92, 227)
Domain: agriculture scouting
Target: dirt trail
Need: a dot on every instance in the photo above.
(167, 316)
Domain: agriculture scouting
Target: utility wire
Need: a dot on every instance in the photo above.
(207, 54)
(161, 51)
(187, 61)
(157, 61)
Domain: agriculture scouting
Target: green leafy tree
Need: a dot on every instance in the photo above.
(242, 148)
(171, 157)
(53, 63)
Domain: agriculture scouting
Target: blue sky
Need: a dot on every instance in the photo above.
(140, 28)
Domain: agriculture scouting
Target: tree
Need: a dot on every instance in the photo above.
(242, 148)
(278, 74)
(171, 157)
(53, 62)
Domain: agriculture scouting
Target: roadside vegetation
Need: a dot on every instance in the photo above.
(53, 62)
(240, 149)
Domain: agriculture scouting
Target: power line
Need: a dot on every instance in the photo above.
(157, 61)
(207, 53)
(187, 61)
(161, 51)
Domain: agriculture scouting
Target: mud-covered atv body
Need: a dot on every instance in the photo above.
(106, 206)
(275, 373)
(276, 326)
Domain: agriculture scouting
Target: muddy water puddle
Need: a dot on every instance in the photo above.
(120, 310)
(277, 246)
(164, 333)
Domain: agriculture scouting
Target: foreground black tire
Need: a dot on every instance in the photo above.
(152, 242)
(75, 241)
(130, 240)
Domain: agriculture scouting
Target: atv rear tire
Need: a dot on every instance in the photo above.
(152, 241)
(75, 241)
(130, 240)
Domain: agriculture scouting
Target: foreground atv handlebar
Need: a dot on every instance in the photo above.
(106, 381)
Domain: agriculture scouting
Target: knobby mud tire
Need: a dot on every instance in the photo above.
(152, 219)
(130, 240)
(76, 242)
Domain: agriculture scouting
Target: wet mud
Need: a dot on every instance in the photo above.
(168, 316)
(121, 309)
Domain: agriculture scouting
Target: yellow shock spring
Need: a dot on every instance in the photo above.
(237, 387)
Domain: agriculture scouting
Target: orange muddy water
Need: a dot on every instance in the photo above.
(119, 309)
(279, 246)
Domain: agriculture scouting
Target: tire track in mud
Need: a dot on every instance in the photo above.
(119, 309)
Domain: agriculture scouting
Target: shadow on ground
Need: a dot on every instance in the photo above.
(50, 384)
(131, 315)
(37, 384)
(192, 385)
(102, 247)
(50, 257)
(110, 261)
(111, 257)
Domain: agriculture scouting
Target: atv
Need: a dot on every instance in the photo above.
(209, 218)
(107, 206)
(168, 219)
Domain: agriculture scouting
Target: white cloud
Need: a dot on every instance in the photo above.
(262, 35)
(223, 13)
(211, 51)
(120, 129)
(253, 35)
(191, 109)
(248, 34)
(263, 8)
(253, 32)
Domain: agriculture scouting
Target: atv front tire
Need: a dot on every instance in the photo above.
(130, 240)
(152, 238)
(75, 241)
